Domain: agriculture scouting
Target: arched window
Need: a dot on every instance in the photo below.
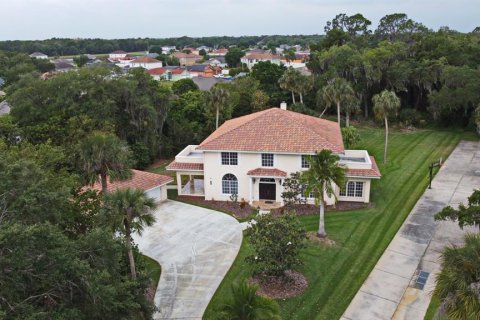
(229, 184)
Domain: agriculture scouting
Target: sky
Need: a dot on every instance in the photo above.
(44, 19)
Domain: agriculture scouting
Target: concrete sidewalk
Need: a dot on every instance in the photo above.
(195, 247)
(400, 285)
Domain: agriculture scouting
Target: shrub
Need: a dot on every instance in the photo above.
(409, 117)
(350, 136)
(141, 155)
(276, 243)
(292, 193)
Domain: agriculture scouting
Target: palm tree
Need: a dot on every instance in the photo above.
(384, 104)
(131, 211)
(320, 179)
(337, 92)
(351, 106)
(102, 155)
(458, 283)
(302, 85)
(218, 99)
(288, 81)
(247, 305)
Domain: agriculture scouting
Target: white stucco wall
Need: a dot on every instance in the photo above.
(158, 193)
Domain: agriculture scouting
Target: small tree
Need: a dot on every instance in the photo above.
(292, 193)
(350, 137)
(465, 215)
(385, 104)
(276, 244)
(245, 304)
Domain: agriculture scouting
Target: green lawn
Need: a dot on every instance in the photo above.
(153, 268)
(336, 273)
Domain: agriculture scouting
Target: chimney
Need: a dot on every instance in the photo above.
(283, 105)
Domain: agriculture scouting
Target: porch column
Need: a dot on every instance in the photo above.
(251, 190)
(179, 183)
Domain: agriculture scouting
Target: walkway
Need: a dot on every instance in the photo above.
(400, 285)
(195, 247)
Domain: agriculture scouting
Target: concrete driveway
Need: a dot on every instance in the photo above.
(195, 247)
(400, 285)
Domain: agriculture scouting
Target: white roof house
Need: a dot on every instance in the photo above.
(146, 63)
(252, 59)
(251, 156)
(38, 55)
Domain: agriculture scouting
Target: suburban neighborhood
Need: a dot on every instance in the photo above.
(323, 174)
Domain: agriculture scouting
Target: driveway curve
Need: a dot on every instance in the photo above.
(195, 247)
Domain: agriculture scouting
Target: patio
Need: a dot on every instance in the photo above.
(193, 187)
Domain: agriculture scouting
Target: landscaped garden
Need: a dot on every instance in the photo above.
(336, 272)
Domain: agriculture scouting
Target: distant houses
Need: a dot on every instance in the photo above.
(187, 59)
(38, 55)
(146, 63)
(253, 58)
(169, 73)
(117, 55)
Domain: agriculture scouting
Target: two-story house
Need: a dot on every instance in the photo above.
(253, 58)
(251, 156)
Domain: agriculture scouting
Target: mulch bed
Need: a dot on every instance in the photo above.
(279, 288)
(150, 293)
(232, 208)
(308, 209)
(326, 241)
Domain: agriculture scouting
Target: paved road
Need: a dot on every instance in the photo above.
(195, 247)
(391, 290)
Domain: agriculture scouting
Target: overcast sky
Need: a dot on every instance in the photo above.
(43, 19)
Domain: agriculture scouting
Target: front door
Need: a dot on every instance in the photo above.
(267, 191)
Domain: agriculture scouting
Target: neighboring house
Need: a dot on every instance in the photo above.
(153, 55)
(169, 73)
(207, 49)
(146, 63)
(168, 49)
(203, 70)
(187, 59)
(218, 52)
(117, 55)
(38, 55)
(154, 185)
(251, 156)
(192, 50)
(252, 59)
(123, 62)
(217, 62)
(63, 65)
(4, 108)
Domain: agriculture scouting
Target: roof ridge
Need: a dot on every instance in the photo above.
(258, 114)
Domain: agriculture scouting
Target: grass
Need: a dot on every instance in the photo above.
(336, 273)
(153, 268)
(432, 308)
(160, 168)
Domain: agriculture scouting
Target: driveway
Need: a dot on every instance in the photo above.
(400, 285)
(195, 247)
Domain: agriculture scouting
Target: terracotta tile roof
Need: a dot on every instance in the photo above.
(175, 166)
(140, 180)
(276, 130)
(178, 70)
(261, 56)
(371, 173)
(180, 55)
(266, 172)
(156, 71)
(145, 60)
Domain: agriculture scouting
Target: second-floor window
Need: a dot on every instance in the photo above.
(230, 158)
(305, 163)
(267, 159)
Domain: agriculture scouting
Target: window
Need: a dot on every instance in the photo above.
(229, 184)
(352, 189)
(305, 163)
(230, 158)
(267, 160)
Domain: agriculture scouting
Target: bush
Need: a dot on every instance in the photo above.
(409, 117)
(141, 155)
(276, 243)
(350, 137)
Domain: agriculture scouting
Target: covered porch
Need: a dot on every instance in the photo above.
(190, 185)
(265, 188)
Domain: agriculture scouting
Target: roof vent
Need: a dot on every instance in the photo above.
(283, 105)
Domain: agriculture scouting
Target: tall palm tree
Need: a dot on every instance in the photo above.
(336, 93)
(247, 305)
(351, 106)
(302, 84)
(320, 180)
(131, 211)
(102, 155)
(385, 104)
(458, 283)
(288, 81)
(218, 99)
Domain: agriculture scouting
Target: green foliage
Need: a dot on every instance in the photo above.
(80, 60)
(464, 215)
(409, 117)
(351, 137)
(292, 190)
(267, 74)
(141, 155)
(184, 85)
(458, 283)
(276, 242)
(247, 305)
(102, 155)
(233, 57)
